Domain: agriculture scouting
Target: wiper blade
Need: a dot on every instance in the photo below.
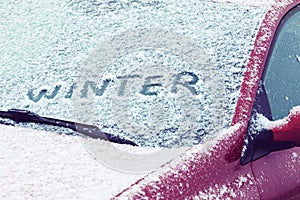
(25, 116)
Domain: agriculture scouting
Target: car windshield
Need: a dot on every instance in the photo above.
(159, 73)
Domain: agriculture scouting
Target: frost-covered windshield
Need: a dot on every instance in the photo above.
(160, 73)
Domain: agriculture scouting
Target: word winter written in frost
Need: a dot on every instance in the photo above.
(188, 80)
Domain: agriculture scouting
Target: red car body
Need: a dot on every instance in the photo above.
(213, 171)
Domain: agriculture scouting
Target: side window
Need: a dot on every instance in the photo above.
(281, 80)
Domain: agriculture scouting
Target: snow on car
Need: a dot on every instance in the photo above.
(184, 81)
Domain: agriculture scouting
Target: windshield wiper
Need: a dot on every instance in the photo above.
(25, 116)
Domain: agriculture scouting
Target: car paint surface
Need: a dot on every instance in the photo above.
(209, 172)
(215, 172)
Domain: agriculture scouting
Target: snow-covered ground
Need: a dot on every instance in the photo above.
(43, 165)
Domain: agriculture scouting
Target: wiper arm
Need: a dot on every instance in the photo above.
(26, 116)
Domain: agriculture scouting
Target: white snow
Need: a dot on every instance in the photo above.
(47, 42)
(264, 123)
(294, 155)
(182, 163)
(250, 2)
(226, 191)
(293, 163)
(44, 165)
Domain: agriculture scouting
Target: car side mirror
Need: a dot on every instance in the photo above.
(265, 136)
(288, 129)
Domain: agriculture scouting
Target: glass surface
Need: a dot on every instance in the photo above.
(160, 73)
(282, 78)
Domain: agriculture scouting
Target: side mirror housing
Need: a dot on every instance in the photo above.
(289, 129)
(265, 136)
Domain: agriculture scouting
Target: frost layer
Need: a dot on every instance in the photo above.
(45, 43)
